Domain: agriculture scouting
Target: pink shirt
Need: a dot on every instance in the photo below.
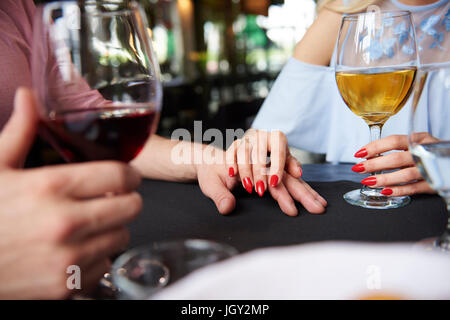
(16, 18)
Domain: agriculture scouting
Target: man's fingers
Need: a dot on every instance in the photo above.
(393, 178)
(390, 161)
(19, 133)
(88, 180)
(99, 215)
(92, 275)
(284, 199)
(300, 193)
(278, 153)
(314, 193)
(408, 189)
(394, 142)
(216, 190)
(99, 247)
(293, 166)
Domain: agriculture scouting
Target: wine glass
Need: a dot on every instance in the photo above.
(142, 272)
(375, 66)
(96, 78)
(429, 136)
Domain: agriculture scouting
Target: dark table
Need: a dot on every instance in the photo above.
(178, 211)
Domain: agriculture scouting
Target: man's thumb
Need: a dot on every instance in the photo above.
(19, 132)
(219, 193)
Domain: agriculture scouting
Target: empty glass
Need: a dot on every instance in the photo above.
(141, 272)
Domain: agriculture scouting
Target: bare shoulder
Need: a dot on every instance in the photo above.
(317, 46)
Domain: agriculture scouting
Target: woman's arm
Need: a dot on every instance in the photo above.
(317, 45)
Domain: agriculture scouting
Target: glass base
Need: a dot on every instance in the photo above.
(375, 202)
(437, 244)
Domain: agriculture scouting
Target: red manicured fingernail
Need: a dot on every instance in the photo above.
(358, 167)
(361, 153)
(301, 171)
(274, 180)
(231, 172)
(248, 185)
(386, 192)
(370, 181)
(260, 188)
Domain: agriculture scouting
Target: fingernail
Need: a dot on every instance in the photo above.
(274, 180)
(224, 204)
(361, 153)
(370, 181)
(358, 167)
(248, 185)
(386, 192)
(260, 187)
(231, 172)
(301, 171)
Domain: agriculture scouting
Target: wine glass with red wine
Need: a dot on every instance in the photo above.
(96, 78)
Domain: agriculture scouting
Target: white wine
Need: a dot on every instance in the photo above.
(376, 96)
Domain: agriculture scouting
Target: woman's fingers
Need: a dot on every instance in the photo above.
(393, 178)
(408, 189)
(301, 193)
(284, 199)
(231, 158)
(244, 164)
(390, 161)
(394, 142)
(278, 148)
(259, 161)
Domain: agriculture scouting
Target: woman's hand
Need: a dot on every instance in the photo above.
(246, 160)
(405, 181)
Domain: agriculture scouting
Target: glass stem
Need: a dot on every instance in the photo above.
(447, 200)
(444, 240)
(375, 134)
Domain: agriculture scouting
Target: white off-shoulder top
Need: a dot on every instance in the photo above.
(305, 103)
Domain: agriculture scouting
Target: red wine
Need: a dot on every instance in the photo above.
(105, 133)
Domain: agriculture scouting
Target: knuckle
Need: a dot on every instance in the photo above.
(397, 157)
(121, 173)
(135, 203)
(62, 227)
(398, 139)
(69, 258)
(411, 174)
(51, 184)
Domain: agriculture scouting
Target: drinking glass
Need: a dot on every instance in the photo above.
(142, 272)
(375, 66)
(96, 79)
(429, 136)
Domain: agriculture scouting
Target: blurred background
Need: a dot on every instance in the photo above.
(219, 58)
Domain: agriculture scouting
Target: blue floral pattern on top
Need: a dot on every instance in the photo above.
(429, 27)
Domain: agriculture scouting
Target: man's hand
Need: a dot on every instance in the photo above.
(55, 217)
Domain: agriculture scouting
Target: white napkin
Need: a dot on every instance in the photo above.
(327, 270)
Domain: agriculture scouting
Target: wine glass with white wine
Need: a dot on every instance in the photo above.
(375, 68)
